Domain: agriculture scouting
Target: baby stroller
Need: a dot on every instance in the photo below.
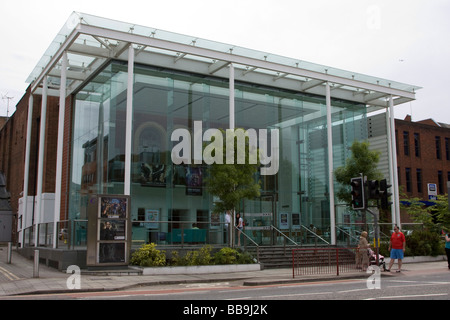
(373, 260)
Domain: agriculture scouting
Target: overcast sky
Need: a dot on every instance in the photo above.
(401, 40)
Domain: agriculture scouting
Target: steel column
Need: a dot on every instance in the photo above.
(26, 175)
(330, 166)
(231, 108)
(129, 121)
(60, 145)
(37, 218)
(395, 208)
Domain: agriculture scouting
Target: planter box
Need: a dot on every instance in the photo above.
(226, 268)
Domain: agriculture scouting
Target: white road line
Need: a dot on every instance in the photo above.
(11, 276)
(411, 296)
(295, 294)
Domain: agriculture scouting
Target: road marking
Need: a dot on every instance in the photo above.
(11, 276)
(411, 296)
(295, 294)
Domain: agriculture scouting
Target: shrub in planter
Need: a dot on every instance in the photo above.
(423, 243)
(199, 257)
(232, 256)
(148, 256)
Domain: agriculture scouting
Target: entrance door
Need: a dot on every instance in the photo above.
(259, 216)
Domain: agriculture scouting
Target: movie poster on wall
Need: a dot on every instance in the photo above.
(111, 252)
(151, 218)
(113, 207)
(194, 181)
(113, 230)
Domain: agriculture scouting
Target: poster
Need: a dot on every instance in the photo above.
(113, 207)
(112, 229)
(284, 220)
(194, 181)
(151, 218)
(112, 224)
(111, 252)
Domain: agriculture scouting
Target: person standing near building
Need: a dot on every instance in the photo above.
(226, 233)
(397, 246)
(363, 255)
(239, 226)
(447, 248)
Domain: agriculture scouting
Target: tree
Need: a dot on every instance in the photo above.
(233, 182)
(362, 161)
(434, 217)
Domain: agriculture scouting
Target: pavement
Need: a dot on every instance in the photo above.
(19, 277)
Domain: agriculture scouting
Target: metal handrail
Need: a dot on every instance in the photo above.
(285, 236)
(247, 236)
(347, 233)
(315, 234)
(251, 240)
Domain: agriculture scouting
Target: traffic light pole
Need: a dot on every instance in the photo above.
(376, 234)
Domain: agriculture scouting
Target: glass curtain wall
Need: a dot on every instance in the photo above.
(169, 203)
(98, 139)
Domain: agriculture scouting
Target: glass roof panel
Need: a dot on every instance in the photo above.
(77, 17)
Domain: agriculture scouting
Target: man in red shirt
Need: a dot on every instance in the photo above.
(397, 246)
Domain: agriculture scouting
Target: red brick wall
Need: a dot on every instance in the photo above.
(13, 148)
(427, 161)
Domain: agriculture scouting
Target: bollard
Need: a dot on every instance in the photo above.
(9, 253)
(36, 264)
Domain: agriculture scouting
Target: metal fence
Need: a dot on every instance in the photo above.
(310, 261)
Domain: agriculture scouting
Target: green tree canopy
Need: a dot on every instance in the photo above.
(233, 182)
(362, 161)
(434, 217)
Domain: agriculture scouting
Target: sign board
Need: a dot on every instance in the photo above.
(432, 191)
(109, 230)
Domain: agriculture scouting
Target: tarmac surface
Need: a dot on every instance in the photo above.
(19, 277)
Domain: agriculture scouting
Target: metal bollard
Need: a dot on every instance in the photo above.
(9, 253)
(36, 264)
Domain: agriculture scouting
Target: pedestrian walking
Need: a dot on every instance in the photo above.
(397, 246)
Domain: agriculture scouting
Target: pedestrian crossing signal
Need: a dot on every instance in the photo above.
(358, 199)
(385, 194)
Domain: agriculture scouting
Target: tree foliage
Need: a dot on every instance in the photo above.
(362, 161)
(233, 182)
(434, 217)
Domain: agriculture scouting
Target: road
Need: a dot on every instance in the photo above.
(407, 286)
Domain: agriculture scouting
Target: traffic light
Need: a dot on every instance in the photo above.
(358, 200)
(373, 191)
(384, 194)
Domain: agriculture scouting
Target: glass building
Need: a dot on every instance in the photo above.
(125, 88)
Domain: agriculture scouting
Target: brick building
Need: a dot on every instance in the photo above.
(423, 156)
(13, 137)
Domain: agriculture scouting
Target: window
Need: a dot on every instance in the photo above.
(408, 179)
(419, 179)
(440, 182)
(417, 144)
(406, 142)
(438, 147)
(447, 149)
(396, 141)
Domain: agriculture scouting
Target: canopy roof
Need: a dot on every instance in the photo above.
(90, 41)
